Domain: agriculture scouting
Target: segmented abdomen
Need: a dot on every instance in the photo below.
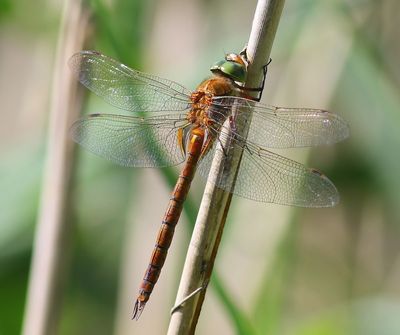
(170, 220)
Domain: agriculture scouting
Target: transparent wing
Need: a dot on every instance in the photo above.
(131, 141)
(278, 127)
(126, 88)
(267, 177)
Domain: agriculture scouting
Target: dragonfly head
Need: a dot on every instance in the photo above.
(232, 67)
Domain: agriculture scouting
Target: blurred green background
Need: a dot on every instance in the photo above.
(279, 270)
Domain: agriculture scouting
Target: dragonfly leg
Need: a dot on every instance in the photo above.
(222, 147)
(232, 123)
(233, 128)
(260, 89)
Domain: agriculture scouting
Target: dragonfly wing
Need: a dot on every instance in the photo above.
(279, 127)
(126, 88)
(131, 141)
(267, 177)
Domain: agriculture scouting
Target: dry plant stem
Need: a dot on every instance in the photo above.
(51, 237)
(215, 203)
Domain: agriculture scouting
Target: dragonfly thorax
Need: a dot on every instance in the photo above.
(202, 99)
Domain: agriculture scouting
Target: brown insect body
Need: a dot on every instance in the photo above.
(264, 176)
(218, 85)
(198, 144)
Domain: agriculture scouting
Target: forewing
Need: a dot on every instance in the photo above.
(126, 88)
(267, 177)
(131, 141)
(279, 127)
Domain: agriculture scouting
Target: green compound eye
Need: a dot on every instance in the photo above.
(233, 70)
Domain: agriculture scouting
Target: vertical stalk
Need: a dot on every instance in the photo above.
(215, 203)
(50, 250)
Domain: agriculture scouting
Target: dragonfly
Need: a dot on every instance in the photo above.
(165, 124)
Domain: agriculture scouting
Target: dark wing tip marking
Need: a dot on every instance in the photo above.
(317, 172)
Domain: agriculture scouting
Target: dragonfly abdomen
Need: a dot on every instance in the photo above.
(170, 220)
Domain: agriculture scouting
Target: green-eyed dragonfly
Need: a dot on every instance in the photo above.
(167, 124)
